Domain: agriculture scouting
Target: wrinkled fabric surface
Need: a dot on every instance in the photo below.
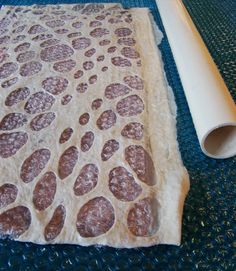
(88, 139)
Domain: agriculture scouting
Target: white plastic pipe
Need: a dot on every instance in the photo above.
(212, 108)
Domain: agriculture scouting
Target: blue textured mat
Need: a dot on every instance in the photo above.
(208, 222)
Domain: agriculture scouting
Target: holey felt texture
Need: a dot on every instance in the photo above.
(88, 149)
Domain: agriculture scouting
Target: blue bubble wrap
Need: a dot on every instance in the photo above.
(208, 236)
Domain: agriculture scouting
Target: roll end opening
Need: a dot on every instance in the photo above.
(220, 142)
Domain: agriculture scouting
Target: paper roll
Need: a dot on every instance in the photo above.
(212, 108)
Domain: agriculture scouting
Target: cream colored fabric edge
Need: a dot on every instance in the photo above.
(163, 125)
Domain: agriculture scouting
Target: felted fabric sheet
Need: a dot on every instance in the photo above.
(88, 149)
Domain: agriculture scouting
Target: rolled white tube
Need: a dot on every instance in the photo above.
(211, 105)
